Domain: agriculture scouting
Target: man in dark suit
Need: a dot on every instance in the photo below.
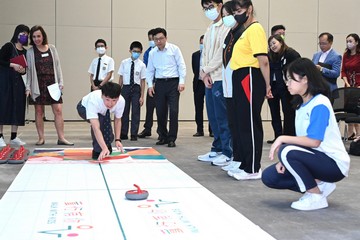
(199, 92)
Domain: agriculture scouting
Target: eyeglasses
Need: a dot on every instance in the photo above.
(210, 7)
(323, 43)
(134, 51)
(159, 39)
(288, 79)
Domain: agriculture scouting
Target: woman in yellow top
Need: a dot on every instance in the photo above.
(251, 83)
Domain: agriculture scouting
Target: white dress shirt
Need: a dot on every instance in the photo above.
(139, 71)
(107, 65)
(168, 63)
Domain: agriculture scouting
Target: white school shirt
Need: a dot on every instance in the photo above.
(94, 105)
(107, 65)
(168, 63)
(139, 71)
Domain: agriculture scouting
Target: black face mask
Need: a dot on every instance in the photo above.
(242, 18)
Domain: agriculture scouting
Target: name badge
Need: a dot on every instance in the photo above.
(44, 55)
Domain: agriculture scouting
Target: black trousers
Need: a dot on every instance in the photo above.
(150, 107)
(82, 113)
(199, 94)
(167, 104)
(131, 96)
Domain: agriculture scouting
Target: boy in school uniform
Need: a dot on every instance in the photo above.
(132, 80)
(101, 68)
(96, 107)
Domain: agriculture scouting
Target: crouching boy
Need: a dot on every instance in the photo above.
(96, 108)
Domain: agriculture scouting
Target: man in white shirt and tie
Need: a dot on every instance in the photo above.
(166, 66)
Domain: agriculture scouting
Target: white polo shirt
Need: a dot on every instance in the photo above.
(94, 104)
(139, 71)
(107, 65)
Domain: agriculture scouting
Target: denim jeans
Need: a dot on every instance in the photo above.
(217, 115)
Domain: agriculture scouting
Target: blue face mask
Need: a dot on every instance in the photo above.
(201, 47)
(151, 43)
(135, 55)
(229, 21)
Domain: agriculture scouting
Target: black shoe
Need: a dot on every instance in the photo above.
(171, 144)
(161, 142)
(211, 135)
(133, 138)
(270, 141)
(198, 134)
(95, 155)
(124, 137)
(65, 142)
(144, 133)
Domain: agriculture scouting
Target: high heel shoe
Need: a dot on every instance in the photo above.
(40, 142)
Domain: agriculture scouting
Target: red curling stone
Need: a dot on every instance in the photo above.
(137, 194)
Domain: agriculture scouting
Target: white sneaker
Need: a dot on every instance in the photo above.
(326, 188)
(2, 142)
(17, 141)
(221, 160)
(247, 176)
(233, 165)
(209, 157)
(234, 171)
(310, 201)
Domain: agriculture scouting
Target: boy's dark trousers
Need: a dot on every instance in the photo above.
(131, 95)
(103, 124)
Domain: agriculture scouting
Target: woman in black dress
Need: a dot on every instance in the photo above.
(43, 70)
(12, 87)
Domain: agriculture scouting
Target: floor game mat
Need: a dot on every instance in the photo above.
(63, 194)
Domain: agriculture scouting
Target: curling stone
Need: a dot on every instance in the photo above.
(137, 194)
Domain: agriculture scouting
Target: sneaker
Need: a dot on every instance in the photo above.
(247, 176)
(221, 160)
(310, 201)
(17, 141)
(326, 188)
(2, 142)
(208, 157)
(233, 165)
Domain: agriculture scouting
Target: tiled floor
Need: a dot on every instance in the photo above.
(270, 209)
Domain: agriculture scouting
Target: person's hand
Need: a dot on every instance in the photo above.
(202, 74)
(27, 93)
(141, 101)
(151, 91)
(280, 168)
(207, 81)
(275, 147)
(93, 87)
(119, 146)
(318, 67)
(268, 92)
(181, 87)
(347, 84)
(61, 87)
(104, 153)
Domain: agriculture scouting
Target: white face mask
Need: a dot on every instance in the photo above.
(229, 21)
(100, 50)
(350, 45)
(151, 43)
(212, 14)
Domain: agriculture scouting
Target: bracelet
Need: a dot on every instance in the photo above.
(118, 140)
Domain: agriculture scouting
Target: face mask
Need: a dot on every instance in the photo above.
(100, 50)
(241, 19)
(23, 39)
(135, 55)
(201, 47)
(229, 21)
(151, 43)
(212, 14)
(350, 45)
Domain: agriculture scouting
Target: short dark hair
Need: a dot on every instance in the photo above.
(329, 36)
(100, 41)
(230, 7)
(210, 1)
(277, 27)
(316, 83)
(19, 29)
(201, 37)
(151, 32)
(136, 44)
(244, 3)
(111, 90)
(41, 29)
(159, 30)
(357, 39)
